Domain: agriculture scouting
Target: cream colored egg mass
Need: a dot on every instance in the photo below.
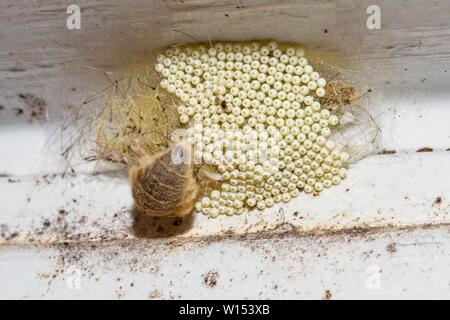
(252, 112)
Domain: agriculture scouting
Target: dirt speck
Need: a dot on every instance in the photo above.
(425, 149)
(327, 295)
(385, 151)
(154, 294)
(35, 104)
(16, 69)
(46, 223)
(391, 247)
(437, 201)
(210, 279)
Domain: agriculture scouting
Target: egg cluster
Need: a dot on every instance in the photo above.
(253, 113)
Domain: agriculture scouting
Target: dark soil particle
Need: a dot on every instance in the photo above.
(35, 104)
(327, 295)
(391, 247)
(438, 201)
(210, 279)
(425, 149)
(388, 151)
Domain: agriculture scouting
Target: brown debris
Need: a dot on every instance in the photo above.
(425, 149)
(338, 93)
(391, 247)
(387, 152)
(154, 294)
(437, 201)
(35, 104)
(210, 279)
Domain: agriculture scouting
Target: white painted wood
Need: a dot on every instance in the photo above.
(384, 265)
(407, 124)
(405, 63)
(383, 190)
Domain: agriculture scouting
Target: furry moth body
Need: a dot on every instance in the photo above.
(164, 184)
